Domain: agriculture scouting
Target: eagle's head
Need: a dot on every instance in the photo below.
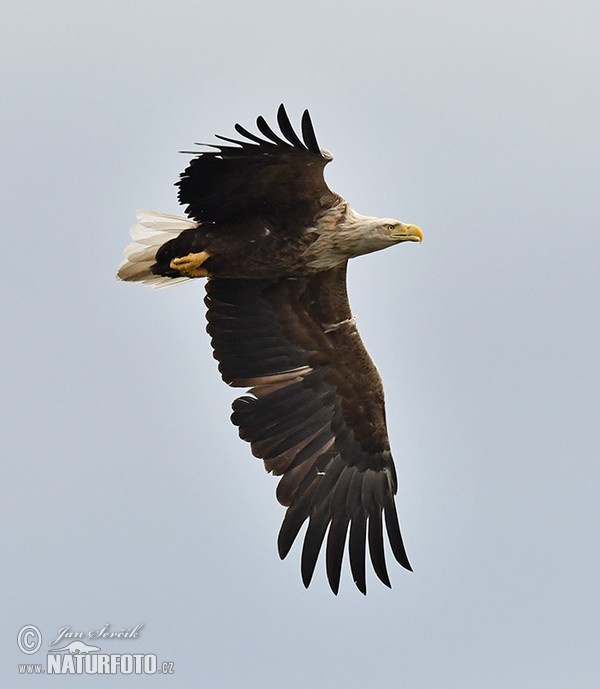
(401, 232)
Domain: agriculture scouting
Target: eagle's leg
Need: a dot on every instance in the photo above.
(190, 266)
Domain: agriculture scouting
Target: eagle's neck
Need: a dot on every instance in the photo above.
(342, 233)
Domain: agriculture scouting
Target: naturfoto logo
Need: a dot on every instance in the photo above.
(68, 653)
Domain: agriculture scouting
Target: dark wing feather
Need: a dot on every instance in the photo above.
(264, 128)
(249, 135)
(314, 414)
(288, 131)
(265, 177)
(308, 132)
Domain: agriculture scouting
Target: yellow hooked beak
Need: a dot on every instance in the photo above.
(408, 233)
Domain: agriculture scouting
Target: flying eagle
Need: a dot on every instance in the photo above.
(274, 242)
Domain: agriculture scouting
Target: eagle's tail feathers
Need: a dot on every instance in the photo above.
(152, 230)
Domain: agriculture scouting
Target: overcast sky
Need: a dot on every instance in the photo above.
(128, 497)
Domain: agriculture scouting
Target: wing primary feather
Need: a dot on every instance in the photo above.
(261, 123)
(358, 532)
(393, 531)
(313, 540)
(287, 130)
(244, 144)
(292, 522)
(376, 547)
(308, 134)
(289, 529)
(336, 542)
(249, 135)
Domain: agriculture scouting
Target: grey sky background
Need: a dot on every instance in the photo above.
(128, 496)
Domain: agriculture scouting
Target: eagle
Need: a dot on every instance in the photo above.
(274, 243)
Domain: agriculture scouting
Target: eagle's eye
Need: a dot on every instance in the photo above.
(391, 227)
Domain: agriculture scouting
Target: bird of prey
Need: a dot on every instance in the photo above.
(274, 242)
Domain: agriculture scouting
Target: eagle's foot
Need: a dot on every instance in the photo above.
(190, 266)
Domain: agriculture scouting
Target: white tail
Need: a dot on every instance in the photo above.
(152, 230)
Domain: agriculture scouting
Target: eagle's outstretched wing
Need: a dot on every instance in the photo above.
(314, 414)
(280, 176)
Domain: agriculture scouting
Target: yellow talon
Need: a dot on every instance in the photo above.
(189, 266)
